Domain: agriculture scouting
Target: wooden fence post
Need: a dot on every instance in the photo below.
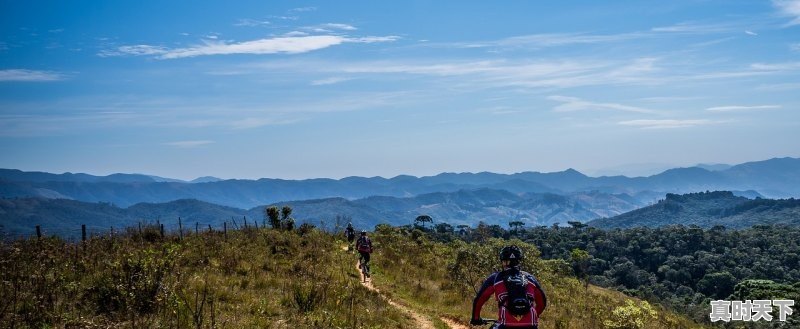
(245, 223)
(38, 232)
(83, 232)
(196, 228)
(161, 227)
(225, 229)
(209, 228)
(180, 228)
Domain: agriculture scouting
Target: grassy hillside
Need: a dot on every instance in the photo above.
(251, 279)
(273, 279)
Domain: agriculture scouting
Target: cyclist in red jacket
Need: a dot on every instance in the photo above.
(520, 298)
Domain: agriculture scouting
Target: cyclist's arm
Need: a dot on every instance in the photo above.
(535, 289)
(486, 291)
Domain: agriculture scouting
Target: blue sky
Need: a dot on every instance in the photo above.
(332, 89)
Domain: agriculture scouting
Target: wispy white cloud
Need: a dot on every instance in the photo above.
(550, 40)
(28, 125)
(134, 50)
(487, 74)
(748, 32)
(295, 34)
(790, 8)
(251, 22)
(189, 144)
(659, 99)
(795, 47)
(570, 104)
(329, 81)
(286, 18)
(335, 26)
(666, 124)
(779, 86)
(752, 70)
(500, 110)
(302, 9)
(731, 108)
(23, 75)
(695, 28)
(285, 45)
(786, 66)
(101, 115)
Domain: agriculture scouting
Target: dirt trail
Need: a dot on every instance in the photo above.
(452, 324)
(422, 321)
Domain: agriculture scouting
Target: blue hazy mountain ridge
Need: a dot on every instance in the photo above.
(64, 217)
(707, 209)
(15, 175)
(205, 179)
(19, 216)
(775, 178)
(714, 166)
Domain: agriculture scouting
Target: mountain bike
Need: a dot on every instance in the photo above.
(494, 323)
(364, 266)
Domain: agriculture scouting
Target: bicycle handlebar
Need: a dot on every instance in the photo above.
(488, 321)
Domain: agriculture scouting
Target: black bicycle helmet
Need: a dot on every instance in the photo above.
(512, 254)
(363, 232)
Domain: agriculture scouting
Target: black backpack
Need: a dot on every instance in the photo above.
(517, 301)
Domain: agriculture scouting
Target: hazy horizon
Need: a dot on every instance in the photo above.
(629, 170)
(298, 90)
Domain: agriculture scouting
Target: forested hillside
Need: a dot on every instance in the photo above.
(680, 267)
(708, 209)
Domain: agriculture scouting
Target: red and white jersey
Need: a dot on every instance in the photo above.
(495, 285)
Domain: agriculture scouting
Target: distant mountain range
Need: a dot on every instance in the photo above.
(707, 209)
(64, 200)
(64, 217)
(775, 178)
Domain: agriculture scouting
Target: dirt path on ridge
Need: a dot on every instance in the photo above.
(422, 321)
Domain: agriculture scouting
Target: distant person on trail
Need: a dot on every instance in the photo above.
(519, 296)
(364, 247)
(350, 233)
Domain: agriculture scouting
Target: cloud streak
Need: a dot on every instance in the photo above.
(329, 81)
(733, 108)
(513, 73)
(22, 75)
(694, 28)
(789, 8)
(280, 45)
(251, 22)
(786, 66)
(666, 124)
(572, 104)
